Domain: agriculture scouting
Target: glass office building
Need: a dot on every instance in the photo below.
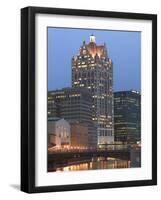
(127, 116)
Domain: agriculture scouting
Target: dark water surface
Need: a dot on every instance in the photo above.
(94, 163)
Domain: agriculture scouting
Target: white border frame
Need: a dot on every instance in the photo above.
(42, 178)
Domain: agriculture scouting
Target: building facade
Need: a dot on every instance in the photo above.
(74, 105)
(93, 69)
(79, 135)
(127, 116)
(59, 132)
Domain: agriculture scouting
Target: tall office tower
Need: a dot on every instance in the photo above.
(127, 116)
(93, 69)
(74, 105)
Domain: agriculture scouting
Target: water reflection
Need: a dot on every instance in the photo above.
(96, 163)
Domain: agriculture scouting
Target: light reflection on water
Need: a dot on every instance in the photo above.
(97, 163)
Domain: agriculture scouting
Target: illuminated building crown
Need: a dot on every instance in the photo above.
(94, 50)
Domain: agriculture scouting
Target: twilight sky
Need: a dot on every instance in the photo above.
(123, 47)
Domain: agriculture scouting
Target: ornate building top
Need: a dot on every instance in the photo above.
(93, 49)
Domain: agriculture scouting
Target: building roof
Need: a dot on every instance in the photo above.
(128, 92)
(93, 49)
(54, 119)
(70, 90)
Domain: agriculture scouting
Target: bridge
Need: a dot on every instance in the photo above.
(64, 158)
(124, 153)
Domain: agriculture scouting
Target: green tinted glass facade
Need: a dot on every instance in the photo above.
(127, 116)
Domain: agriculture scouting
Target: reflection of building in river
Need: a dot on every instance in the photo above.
(96, 163)
(74, 105)
(58, 132)
(127, 116)
(79, 135)
(135, 157)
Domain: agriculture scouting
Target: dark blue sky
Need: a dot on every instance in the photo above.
(124, 48)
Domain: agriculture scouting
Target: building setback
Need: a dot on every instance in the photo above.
(127, 116)
(93, 69)
(74, 105)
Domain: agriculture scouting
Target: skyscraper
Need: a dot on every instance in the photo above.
(93, 69)
(127, 116)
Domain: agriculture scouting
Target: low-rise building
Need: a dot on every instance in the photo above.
(58, 132)
(79, 135)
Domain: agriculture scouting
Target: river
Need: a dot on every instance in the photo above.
(92, 164)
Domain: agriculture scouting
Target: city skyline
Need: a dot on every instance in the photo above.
(88, 123)
(123, 48)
